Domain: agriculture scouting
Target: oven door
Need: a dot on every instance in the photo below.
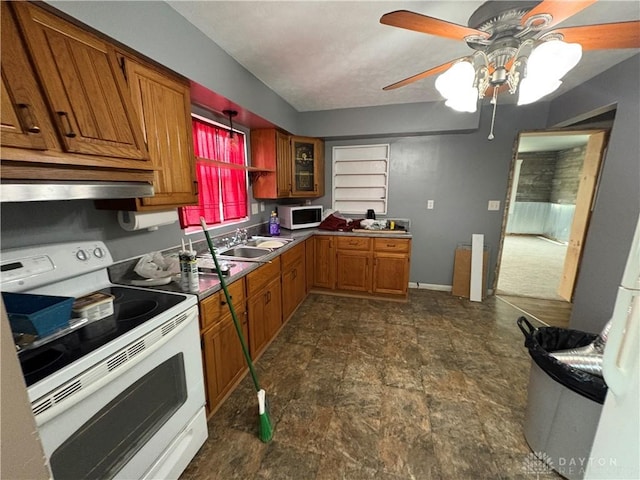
(120, 417)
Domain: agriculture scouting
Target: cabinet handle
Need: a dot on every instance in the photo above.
(195, 187)
(391, 244)
(290, 188)
(69, 133)
(224, 302)
(353, 242)
(31, 126)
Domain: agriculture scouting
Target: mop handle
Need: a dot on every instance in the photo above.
(245, 350)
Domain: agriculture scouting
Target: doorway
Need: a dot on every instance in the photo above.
(553, 182)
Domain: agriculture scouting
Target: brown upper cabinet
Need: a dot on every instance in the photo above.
(24, 118)
(298, 163)
(163, 107)
(83, 85)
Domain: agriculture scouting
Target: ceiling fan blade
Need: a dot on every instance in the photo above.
(434, 26)
(559, 10)
(420, 76)
(603, 36)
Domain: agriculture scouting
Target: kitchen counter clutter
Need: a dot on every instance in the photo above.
(267, 290)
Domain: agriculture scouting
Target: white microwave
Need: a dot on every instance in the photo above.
(294, 217)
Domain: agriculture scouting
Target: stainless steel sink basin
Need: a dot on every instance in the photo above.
(243, 251)
(256, 241)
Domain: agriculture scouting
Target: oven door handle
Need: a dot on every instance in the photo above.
(50, 405)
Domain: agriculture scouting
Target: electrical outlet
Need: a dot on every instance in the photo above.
(429, 204)
(262, 206)
(254, 209)
(494, 205)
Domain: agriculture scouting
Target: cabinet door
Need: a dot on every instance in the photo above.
(283, 165)
(306, 167)
(24, 119)
(324, 262)
(265, 317)
(224, 360)
(293, 288)
(391, 273)
(84, 88)
(271, 150)
(352, 270)
(164, 111)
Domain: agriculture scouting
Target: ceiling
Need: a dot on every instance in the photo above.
(324, 55)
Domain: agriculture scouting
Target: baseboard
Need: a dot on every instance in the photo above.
(430, 286)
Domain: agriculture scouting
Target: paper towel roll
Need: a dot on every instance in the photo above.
(131, 221)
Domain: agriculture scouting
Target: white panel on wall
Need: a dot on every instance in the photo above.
(360, 178)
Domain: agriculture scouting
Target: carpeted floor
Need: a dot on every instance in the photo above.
(531, 267)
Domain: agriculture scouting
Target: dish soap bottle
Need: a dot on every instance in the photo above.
(274, 225)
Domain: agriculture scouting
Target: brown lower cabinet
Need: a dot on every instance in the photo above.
(264, 303)
(294, 284)
(223, 359)
(362, 265)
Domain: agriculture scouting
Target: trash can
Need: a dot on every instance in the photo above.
(563, 403)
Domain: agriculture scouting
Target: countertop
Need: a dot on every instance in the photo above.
(122, 272)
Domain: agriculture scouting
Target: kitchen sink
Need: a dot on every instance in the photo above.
(270, 242)
(244, 251)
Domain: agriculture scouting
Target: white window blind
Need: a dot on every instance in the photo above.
(360, 178)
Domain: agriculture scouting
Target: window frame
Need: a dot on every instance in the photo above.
(194, 228)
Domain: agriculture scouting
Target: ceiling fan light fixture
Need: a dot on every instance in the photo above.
(553, 59)
(533, 89)
(456, 85)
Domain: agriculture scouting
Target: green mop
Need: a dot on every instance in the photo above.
(265, 428)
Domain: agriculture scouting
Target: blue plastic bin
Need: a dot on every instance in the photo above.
(39, 315)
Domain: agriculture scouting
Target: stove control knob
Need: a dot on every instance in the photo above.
(82, 255)
(98, 252)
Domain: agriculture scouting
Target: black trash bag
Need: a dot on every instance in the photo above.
(541, 341)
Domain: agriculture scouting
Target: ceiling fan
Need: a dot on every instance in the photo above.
(514, 49)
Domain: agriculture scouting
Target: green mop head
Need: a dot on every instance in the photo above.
(266, 430)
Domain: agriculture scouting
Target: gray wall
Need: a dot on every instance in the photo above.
(618, 198)
(461, 173)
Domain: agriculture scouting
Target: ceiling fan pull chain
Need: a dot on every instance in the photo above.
(494, 101)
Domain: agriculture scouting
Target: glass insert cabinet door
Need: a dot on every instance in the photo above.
(306, 171)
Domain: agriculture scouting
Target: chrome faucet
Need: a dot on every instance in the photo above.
(240, 236)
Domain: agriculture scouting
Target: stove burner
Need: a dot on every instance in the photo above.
(133, 309)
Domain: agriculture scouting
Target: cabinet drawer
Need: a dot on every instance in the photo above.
(292, 256)
(391, 245)
(214, 308)
(262, 276)
(354, 243)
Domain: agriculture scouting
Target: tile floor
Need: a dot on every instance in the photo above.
(432, 389)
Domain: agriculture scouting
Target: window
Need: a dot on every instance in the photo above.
(361, 178)
(222, 193)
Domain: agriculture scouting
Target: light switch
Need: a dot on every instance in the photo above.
(429, 204)
(254, 209)
(494, 205)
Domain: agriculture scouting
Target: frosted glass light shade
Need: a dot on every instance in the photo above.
(533, 89)
(465, 100)
(456, 85)
(547, 64)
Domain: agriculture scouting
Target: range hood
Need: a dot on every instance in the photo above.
(38, 191)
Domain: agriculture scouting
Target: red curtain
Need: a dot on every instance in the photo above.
(217, 184)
